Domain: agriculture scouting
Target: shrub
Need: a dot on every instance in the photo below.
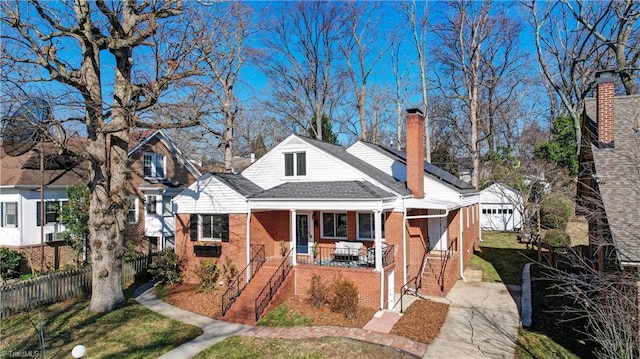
(317, 291)
(557, 239)
(229, 271)
(555, 213)
(208, 273)
(9, 263)
(166, 267)
(344, 297)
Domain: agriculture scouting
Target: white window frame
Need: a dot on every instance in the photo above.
(157, 161)
(335, 225)
(201, 228)
(296, 162)
(132, 206)
(51, 207)
(167, 200)
(383, 217)
(6, 223)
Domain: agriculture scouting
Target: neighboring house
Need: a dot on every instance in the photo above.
(379, 217)
(609, 179)
(20, 196)
(501, 208)
(158, 172)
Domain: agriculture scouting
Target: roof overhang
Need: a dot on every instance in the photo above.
(321, 204)
(431, 203)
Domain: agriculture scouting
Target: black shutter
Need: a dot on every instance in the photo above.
(38, 213)
(225, 227)
(193, 227)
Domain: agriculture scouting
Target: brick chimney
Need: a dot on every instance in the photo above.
(604, 109)
(415, 152)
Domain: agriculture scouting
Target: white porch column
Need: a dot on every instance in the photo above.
(248, 241)
(378, 239)
(292, 240)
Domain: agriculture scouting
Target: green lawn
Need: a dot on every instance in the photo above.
(532, 345)
(132, 332)
(501, 257)
(249, 348)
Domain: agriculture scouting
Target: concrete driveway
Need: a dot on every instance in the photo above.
(483, 322)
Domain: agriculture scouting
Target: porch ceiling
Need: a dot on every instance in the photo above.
(431, 203)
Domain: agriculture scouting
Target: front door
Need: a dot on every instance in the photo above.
(302, 233)
(438, 233)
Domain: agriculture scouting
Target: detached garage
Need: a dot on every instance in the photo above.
(501, 208)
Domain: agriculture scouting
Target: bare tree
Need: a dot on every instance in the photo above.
(419, 21)
(93, 48)
(300, 62)
(224, 52)
(575, 39)
(362, 49)
(400, 88)
(478, 62)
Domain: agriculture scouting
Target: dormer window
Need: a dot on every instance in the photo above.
(153, 166)
(295, 164)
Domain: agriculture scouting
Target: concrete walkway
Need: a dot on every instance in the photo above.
(482, 322)
(214, 330)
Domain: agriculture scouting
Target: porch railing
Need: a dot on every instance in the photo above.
(239, 283)
(444, 260)
(267, 293)
(365, 258)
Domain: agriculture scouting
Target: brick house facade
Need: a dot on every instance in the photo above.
(316, 198)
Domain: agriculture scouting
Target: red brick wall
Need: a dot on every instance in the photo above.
(367, 281)
(269, 228)
(415, 154)
(605, 111)
(393, 232)
(234, 249)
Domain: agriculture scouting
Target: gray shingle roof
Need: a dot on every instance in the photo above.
(238, 183)
(325, 190)
(341, 153)
(618, 171)
(429, 168)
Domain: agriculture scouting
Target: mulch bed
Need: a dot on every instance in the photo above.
(185, 296)
(422, 321)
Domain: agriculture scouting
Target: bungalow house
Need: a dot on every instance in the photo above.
(608, 190)
(501, 207)
(158, 172)
(385, 219)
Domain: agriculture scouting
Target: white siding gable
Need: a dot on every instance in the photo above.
(209, 195)
(433, 188)
(268, 171)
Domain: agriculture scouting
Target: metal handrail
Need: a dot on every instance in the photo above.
(269, 290)
(235, 288)
(444, 260)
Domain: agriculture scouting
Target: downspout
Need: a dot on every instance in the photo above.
(404, 243)
(248, 234)
(460, 241)
(378, 239)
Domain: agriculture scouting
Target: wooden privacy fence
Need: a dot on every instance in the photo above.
(55, 287)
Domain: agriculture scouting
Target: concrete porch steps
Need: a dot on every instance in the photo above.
(243, 309)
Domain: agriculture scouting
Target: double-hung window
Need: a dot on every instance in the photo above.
(334, 225)
(132, 209)
(153, 166)
(9, 214)
(295, 164)
(366, 225)
(51, 211)
(151, 204)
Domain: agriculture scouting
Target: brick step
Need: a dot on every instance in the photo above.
(243, 309)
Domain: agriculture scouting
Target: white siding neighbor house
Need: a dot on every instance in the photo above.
(501, 208)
